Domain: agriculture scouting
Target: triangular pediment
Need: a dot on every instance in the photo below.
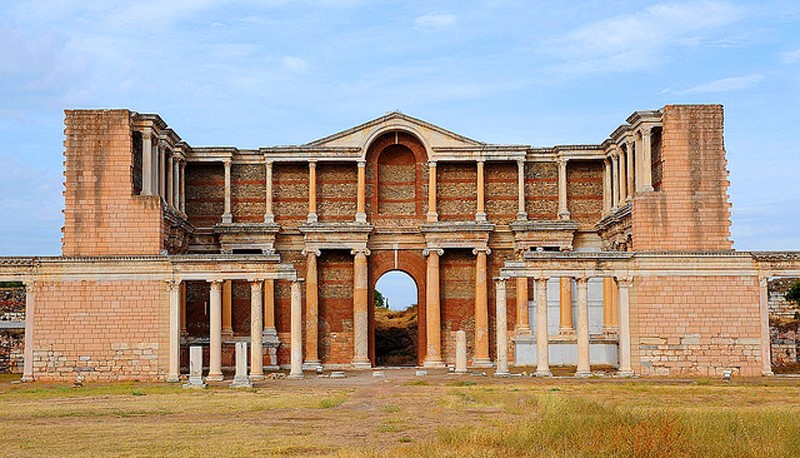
(360, 136)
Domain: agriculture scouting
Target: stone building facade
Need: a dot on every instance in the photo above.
(167, 245)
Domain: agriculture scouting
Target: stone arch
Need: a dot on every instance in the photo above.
(396, 157)
(412, 263)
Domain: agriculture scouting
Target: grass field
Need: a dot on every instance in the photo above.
(438, 415)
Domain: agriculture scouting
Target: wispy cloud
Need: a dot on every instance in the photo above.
(790, 57)
(295, 64)
(735, 83)
(634, 41)
(433, 20)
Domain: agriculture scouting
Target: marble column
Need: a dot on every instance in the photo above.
(269, 216)
(763, 308)
(173, 371)
(183, 187)
(647, 161)
(269, 308)
(480, 212)
(227, 309)
(481, 356)
(542, 337)
(155, 169)
(582, 330)
(615, 181)
(30, 317)
(170, 180)
(523, 328)
(296, 338)
(629, 164)
(563, 208)
(361, 200)
(312, 311)
(624, 328)
(162, 170)
(433, 356)
(609, 306)
(522, 214)
(432, 215)
(361, 310)
(147, 162)
(312, 193)
(461, 352)
(565, 327)
(607, 186)
(623, 179)
(176, 181)
(215, 332)
(227, 216)
(256, 330)
(501, 332)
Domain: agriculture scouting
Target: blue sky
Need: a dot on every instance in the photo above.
(263, 73)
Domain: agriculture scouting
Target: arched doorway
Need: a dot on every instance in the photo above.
(396, 318)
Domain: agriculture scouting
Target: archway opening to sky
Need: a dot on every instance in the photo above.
(396, 298)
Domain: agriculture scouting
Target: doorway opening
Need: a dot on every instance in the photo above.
(396, 319)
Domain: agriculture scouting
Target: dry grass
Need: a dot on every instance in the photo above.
(445, 416)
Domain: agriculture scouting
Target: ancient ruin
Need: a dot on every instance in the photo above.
(616, 254)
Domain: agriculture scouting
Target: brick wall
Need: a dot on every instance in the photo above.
(335, 271)
(541, 190)
(12, 345)
(290, 199)
(102, 216)
(501, 192)
(205, 193)
(691, 211)
(337, 190)
(456, 191)
(248, 199)
(585, 192)
(696, 326)
(101, 330)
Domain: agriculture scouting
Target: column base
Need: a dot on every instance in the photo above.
(271, 367)
(767, 373)
(172, 379)
(311, 365)
(583, 374)
(227, 218)
(505, 374)
(242, 382)
(312, 218)
(361, 217)
(26, 378)
(626, 374)
(256, 377)
(482, 363)
(564, 215)
(542, 373)
(567, 332)
(432, 217)
(523, 331)
(214, 378)
(522, 217)
(361, 364)
(295, 376)
(433, 363)
(269, 219)
(480, 217)
(195, 382)
(227, 334)
(647, 188)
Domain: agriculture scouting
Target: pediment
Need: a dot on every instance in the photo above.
(360, 136)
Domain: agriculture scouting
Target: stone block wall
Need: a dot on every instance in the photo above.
(101, 330)
(337, 190)
(205, 193)
(248, 198)
(585, 193)
(691, 211)
(456, 191)
(696, 326)
(102, 215)
(541, 190)
(501, 192)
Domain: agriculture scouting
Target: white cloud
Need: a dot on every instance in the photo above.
(295, 64)
(790, 57)
(435, 20)
(638, 40)
(736, 83)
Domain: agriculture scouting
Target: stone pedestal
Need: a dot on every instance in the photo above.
(240, 379)
(461, 352)
(195, 368)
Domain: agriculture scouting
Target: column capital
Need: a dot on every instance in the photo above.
(357, 251)
(256, 283)
(268, 161)
(173, 284)
(763, 280)
(485, 250)
(562, 161)
(540, 278)
(227, 161)
(581, 279)
(147, 133)
(431, 163)
(624, 280)
(428, 251)
(312, 162)
(298, 280)
(501, 280)
(29, 283)
(309, 251)
(645, 131)
(216, 283)
(480, 160)
(361, 163)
